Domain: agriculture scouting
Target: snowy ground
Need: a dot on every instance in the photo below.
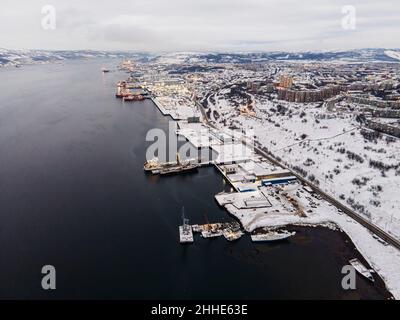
(175, 108)
(291, 204)
(330, 148)
(385, 259)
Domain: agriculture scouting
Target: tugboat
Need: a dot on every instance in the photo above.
(185, 230)
(361, 269)
(271, 236)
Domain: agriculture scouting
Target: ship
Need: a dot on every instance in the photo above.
(155, 164)
(156, 167)
(230, 230)
(361, 269)
(211, 230)
(185, 230)
(271, 236)
(133, 97)
(179, 169)
(122, 94)
(231, 234)
(122, 91)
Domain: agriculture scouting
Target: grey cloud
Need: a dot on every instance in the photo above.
(200, 24)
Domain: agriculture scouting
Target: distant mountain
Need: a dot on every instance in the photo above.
(362, 55)
(19, 57)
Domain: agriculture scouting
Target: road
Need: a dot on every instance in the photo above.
(351, 213)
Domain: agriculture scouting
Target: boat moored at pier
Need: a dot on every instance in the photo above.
(271, 236)
(156, 167)
(133, 97)
(361, 269)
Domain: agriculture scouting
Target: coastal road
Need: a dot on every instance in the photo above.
(351, 213)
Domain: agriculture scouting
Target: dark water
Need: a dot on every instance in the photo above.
(73, 195)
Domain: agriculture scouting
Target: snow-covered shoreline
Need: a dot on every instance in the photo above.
(329, 143)
(384, 259)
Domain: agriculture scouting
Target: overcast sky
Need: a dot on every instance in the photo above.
(200, 25)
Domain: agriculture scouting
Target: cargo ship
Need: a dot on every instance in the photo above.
(122, 90)
(133, 97)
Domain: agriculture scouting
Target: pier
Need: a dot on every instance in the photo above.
(185, 230)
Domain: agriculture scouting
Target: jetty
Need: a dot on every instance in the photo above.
(185, 230)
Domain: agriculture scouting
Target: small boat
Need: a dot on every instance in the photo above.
(361, 269)
(232, 235)
(105, 70)
(271, 236)
(211, 231)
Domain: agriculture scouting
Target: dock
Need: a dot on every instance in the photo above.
(185, 230)
(186, 234)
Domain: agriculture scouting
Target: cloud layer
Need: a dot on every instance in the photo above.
(200, 25)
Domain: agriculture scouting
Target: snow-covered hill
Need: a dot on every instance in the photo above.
(20, 57)
(17, 57)
(393, 54)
